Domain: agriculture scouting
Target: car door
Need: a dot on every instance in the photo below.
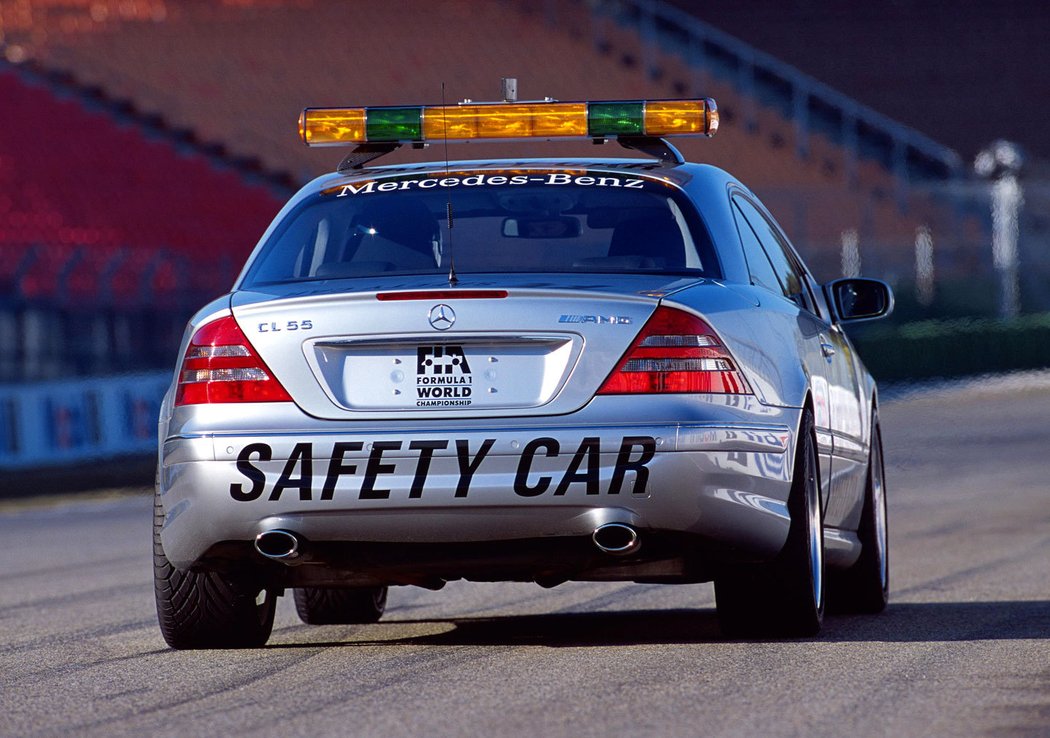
(850, 424)
(838, 407)
(769, 270)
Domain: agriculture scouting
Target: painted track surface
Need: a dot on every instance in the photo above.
(964, 648)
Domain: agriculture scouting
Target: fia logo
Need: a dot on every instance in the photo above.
(441, 361)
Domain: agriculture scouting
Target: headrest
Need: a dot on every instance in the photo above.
(655, 236)
(405, 221)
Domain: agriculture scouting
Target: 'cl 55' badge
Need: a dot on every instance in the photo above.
(441, 317)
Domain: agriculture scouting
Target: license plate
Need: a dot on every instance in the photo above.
(486, 374)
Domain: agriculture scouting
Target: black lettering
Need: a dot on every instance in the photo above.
(302, 455)
(426, 451)
(590, 449)
(254, 474)
(336, 467)
(521, 478)
(375, 468)
(425, 356)
(441, 360)
(467, 468)
(446, 392)
(458, 359)
(624, 463)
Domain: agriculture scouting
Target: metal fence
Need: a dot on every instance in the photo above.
(987, 255)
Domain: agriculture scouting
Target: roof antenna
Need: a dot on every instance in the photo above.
(453, 280)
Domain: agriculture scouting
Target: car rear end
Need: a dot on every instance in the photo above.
(494, 373)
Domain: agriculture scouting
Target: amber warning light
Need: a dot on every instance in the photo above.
(508, 120)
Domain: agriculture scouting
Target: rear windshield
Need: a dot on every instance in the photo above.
(532, 221)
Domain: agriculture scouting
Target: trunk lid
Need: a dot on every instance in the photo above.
(528, 345)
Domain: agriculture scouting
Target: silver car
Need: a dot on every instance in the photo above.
(531, 370)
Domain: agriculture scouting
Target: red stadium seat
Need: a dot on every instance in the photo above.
(76, 186)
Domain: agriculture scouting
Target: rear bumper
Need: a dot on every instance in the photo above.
(722, 483)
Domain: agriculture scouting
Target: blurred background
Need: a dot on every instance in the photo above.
(146, 144)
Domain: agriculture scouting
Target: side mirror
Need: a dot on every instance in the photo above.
(859, 299)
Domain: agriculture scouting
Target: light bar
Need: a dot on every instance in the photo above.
(505, 121)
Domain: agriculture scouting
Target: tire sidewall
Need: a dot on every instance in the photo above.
(814, 521)
(802, 562)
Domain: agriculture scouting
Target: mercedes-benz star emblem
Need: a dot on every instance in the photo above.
(441, 317)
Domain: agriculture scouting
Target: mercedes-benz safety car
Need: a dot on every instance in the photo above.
(535, 370)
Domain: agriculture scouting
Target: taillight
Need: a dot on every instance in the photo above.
(221, 366)
(675, 352)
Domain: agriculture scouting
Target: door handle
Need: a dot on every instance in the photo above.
(826, 348)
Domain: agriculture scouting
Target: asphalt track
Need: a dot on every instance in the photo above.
(964, 648)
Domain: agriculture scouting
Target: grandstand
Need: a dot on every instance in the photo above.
(153, 139)
(107, 227)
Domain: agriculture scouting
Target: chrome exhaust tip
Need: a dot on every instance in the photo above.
(279, 545)
(616, 539)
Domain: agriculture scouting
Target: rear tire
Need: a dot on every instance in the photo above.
(207, 609)
(865, 586)
(327, 606)
(786, 596)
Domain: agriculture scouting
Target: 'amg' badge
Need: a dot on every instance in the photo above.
(599, 319)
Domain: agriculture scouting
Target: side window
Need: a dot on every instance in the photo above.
(790, 278)
(758, 265)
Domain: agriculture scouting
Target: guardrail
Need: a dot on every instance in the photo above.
(74, 421)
